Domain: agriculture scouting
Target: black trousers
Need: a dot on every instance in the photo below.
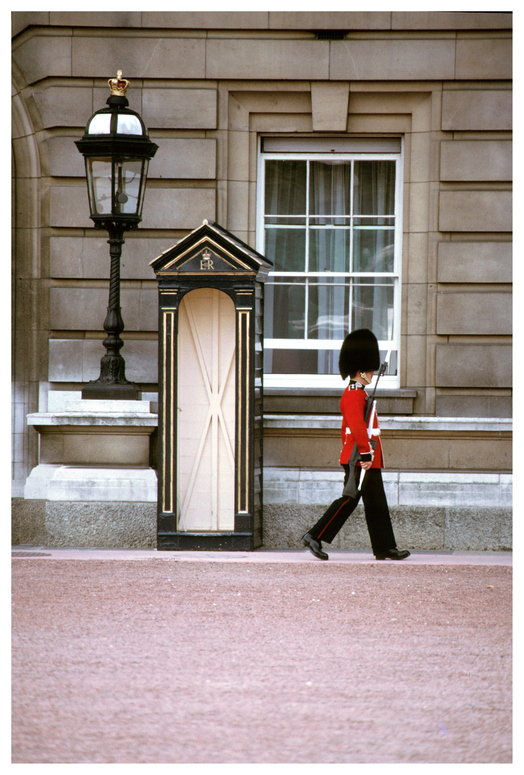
(376, 509)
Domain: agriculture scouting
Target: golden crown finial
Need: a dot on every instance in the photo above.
(118, 85)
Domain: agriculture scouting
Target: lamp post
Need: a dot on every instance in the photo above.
(117, 150)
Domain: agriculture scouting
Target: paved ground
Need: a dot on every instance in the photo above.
(265, 657)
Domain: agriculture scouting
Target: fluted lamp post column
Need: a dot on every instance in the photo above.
(117, 150)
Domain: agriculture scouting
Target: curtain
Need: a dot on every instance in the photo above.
(374, 201)
(329, 242)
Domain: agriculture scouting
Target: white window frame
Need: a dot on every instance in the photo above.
(312, 381)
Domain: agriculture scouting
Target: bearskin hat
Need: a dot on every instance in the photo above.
(359, 352)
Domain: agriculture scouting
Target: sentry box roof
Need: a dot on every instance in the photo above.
(211, 249)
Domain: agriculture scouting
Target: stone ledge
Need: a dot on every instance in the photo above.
(141, 416)
(335, 392)
(43, 420)
(100, 433)
(442, 424)
(267, 20)
(89, 483)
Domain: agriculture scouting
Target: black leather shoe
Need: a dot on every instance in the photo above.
(314, 546)
(393, 554)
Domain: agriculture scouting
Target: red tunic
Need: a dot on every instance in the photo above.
(354, 428)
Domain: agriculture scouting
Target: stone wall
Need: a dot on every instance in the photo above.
(208, 86)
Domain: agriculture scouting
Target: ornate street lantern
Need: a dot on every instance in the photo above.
(117, 150)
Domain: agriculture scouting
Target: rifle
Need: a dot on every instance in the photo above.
(350, 487)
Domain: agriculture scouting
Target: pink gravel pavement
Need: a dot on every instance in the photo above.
(265, 657)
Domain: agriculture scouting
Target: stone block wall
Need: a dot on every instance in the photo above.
(209, 86)
(429, 511)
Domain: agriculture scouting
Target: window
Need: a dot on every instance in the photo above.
(330, 222)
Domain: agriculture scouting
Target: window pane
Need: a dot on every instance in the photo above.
(285, 188)
(100, 124)
(374, 188)
(127, 182)
(329, 250)
(324, 220)
(329, 188)
(128, 125)
(291, 361)
(287, 249)
(369, 220)
(284, 310)
(373, 307)
(328, 310)
(373, 250)
(285, 220)
(392, 369)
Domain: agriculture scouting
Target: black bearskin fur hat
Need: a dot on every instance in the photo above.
(359, 352)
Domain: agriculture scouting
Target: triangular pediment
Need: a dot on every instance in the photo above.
(210, 249)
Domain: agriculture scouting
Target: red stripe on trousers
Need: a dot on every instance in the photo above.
(332, 518)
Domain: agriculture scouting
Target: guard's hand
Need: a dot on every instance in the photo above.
(365, 466)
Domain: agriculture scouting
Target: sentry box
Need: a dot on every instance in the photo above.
(210, 392)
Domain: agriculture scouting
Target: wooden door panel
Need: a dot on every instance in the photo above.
(206, 411)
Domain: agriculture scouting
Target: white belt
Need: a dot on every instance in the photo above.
(371, 432)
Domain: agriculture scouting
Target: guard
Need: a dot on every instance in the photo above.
(361, 456)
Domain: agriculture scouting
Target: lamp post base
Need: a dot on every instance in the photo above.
(104, 391)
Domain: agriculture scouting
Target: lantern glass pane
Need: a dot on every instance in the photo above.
(100, 124)
(145, 168)
(128, 125)
(99, 183)
(128, 175)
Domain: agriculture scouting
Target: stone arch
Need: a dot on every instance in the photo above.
(29, 341)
